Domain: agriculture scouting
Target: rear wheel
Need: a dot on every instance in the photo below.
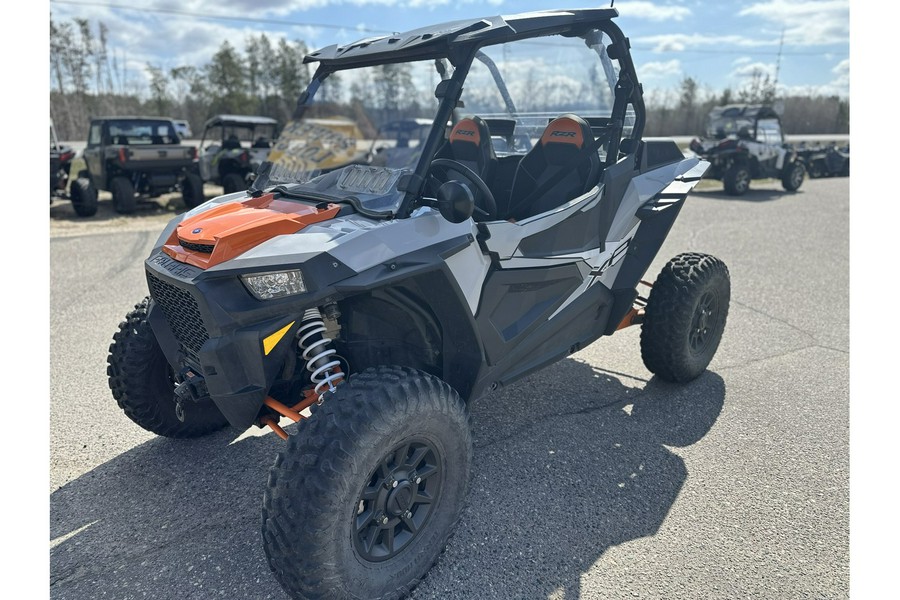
(793, 176)
(737, 180)
(192, 190)
(84, 197)
(233, 182)
(816, 169)
(685, 316)
(366, 495)
(124, 200)
(143, 384)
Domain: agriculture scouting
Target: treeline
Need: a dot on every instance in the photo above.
(265, 77)
(683, 111)
(88, 79)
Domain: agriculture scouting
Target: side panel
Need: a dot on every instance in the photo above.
(516, 301)
(579, 324)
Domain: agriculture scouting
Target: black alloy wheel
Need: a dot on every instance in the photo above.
(397, 502)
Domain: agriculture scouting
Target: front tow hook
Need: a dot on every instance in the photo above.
(192, 388)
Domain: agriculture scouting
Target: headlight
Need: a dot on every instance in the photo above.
(265, 286)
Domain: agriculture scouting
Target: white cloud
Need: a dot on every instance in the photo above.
(805, 22)
(674, 42)
(652, 11)
(742, 60)
(752, 69)
(659, 69)
(842, 68)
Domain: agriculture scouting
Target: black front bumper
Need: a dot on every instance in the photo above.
(213, 325)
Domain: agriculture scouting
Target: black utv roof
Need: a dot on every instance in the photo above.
(437, 41)
(749, 111)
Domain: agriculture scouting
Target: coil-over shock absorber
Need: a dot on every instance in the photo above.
(321, 359)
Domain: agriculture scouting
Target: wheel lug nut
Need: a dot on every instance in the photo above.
(418, 480)
(408, 515)
(394, 484)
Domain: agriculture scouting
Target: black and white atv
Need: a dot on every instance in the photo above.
(746, 142)
(371, 303)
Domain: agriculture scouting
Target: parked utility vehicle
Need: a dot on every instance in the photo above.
(232, 148)
(825, 160)
(139, 157)
(372, 304)
(81, 192)
(745, 142)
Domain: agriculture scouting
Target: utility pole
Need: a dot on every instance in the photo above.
(778, 60)
(778, 106)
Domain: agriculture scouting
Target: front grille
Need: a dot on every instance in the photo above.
(205, 248)
(181, 312)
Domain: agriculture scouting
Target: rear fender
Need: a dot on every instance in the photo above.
(656, 217)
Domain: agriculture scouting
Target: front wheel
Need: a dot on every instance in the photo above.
(793, 176)
(143, 384)
(367, 493)
(84, 197)
(192, 190)
(685, 316)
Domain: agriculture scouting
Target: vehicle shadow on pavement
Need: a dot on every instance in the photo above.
(167, 519)
(563, 471)
(751, 195)
(562, 474)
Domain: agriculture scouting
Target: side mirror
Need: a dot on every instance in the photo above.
(455, 201)
(744, 133)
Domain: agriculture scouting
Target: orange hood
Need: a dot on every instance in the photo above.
(229, 230)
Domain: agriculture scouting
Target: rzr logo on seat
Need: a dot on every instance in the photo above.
(465, 132)
(562, 134)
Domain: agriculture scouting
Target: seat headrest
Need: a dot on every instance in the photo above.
(567, 129)
(471, 130)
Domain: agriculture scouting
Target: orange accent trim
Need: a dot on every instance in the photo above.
(563, 131)
(283, 410)
(466, 131)
(293, 413)
(267, 420)
(633, 317)
(236, 227)
(309, 398)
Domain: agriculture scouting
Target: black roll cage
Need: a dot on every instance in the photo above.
(461, 42)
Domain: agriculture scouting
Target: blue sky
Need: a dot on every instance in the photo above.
(716, 43)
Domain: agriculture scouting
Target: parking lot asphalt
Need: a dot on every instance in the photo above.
(592, 479)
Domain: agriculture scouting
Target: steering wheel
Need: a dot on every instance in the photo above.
(445, 165)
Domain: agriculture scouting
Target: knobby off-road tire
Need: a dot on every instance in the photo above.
(793, 176)
(685, 316)
(335, 524)
(124, 200)
(141, 382)
(84, 197)
(233, 182)
(192, 190)
(736, 180)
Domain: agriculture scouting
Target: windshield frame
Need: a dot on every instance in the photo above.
(461, 54)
